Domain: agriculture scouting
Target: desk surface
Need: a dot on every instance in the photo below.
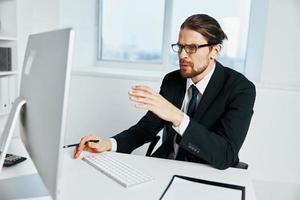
(82, 181)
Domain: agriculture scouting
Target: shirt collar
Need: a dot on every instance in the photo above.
(201, 85)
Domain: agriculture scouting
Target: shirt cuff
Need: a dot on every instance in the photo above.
(183, 125)
(113, 144)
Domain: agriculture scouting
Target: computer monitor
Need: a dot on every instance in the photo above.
(45, 87)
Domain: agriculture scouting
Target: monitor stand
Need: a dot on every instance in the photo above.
(10, 127)
(27, 186)
(24, 187)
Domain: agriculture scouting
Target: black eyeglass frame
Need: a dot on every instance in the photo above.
(180, 47)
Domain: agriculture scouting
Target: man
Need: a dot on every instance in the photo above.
(204, 107)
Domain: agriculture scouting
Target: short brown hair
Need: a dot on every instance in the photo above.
(206, 26)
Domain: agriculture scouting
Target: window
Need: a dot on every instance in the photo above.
(141, 31)
(132, 30)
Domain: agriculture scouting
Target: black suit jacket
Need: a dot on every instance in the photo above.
(218, 128)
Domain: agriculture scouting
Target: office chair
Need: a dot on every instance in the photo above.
(152, 145)
(240, 165)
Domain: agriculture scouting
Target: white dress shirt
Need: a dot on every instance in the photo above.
(201, 86)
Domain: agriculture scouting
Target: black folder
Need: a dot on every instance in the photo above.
(202, 181)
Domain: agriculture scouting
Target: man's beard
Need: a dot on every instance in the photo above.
(193, 72)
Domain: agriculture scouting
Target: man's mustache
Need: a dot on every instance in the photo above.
(184, 62)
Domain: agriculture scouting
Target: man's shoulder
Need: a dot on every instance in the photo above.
(173, 76)
(235, 77)
(235, 82)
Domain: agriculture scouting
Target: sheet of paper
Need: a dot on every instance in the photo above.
(185, 189)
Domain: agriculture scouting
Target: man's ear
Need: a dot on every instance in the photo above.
(215, 52)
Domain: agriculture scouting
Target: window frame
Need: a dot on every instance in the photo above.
(138, 65)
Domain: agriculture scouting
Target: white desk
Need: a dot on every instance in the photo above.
(82, 181)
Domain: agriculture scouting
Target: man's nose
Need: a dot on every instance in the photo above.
(182, 53)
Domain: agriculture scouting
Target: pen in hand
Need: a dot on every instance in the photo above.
(73, 145)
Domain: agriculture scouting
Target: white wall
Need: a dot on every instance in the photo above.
(100, 105)
(33, 16)
(273, 141)
(282, 52)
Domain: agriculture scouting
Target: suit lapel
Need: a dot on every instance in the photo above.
(179, 92)
(213, 88)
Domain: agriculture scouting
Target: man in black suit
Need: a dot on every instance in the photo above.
(205, 108)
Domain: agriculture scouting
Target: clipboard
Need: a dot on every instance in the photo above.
(183, 187)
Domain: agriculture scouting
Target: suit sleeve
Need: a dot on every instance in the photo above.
(220, 146)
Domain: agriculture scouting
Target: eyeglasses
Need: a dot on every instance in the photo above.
(189, 48)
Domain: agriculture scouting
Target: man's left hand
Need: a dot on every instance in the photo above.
(145, 98)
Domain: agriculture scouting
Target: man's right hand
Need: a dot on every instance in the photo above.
(98, 147)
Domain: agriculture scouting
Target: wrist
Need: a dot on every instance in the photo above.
(109, 145)
(178, 117)
(105, 145)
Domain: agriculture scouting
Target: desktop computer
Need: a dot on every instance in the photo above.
(42, 104)
(45, 88)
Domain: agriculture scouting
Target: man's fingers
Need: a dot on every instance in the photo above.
(83, 141)
(93, 145)
(76, 153)
(90, 147)
(143, 88)
(143, 95)
(140, 93)
(142, 100)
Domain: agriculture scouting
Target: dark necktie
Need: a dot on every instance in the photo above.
(190, 112)
(193, 102)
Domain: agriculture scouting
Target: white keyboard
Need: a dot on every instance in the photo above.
(121, 172)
